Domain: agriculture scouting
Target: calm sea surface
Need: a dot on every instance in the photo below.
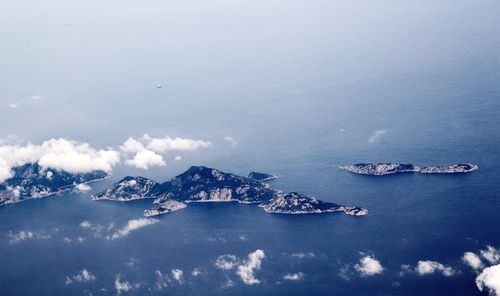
(301, 87)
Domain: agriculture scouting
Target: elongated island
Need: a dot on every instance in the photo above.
(380, 169)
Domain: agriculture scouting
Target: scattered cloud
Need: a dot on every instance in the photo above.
(294, 276)
(376, 136)
(146, 159)
(124, 286)
(82, 187)
(487, 268)
(68, 240)
(147, 150)
(228, 283)
(132, 146)
(252, 264)
(430, 267)
(472, 260)
(226, 262)
(25, 235)
(345, 272)
(303, 255)
(368, 266)
(96, 229)
(491, 254)
(197, 272)
(132, 225)
(167, 143)
(231, 141)
(161, 281)
(83, 277)
(489, 279)
(132, 262)
(178, 275)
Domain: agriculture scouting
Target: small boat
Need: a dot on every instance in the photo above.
(158, 86)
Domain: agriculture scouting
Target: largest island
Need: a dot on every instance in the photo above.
(203, 184)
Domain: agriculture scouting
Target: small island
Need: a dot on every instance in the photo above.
(380, 169)
(31, 181)
(202, 184)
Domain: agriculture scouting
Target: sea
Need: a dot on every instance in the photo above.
(293, 88)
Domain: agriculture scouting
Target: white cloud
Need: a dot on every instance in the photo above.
(146, 159)
(431, 267)
(178, 275)
(123, 286)
(472, 260)
(63, 154)
(489, 279)
(12, 105)
(196, 272)
(82, 187)
(132, 225)
(161, 281)
(491, 255)
(226, 262)
(167, 143)
(232, 142)
(83, 277)
(132, 262)
(345, 272)
(86, 224)
(78, 157)
(294, 276)
(304, 255)
(369, 266)
(177, 158)
(132, 146)
(96, 229)
(37, 97)
(228, 283)
(252, 264)
(376, 136)
(25, 235)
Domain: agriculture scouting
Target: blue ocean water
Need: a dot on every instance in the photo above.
(302, 87)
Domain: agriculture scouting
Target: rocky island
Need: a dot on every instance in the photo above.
(34, 181)
(296, 203)
(380, 169)
(202, 184)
